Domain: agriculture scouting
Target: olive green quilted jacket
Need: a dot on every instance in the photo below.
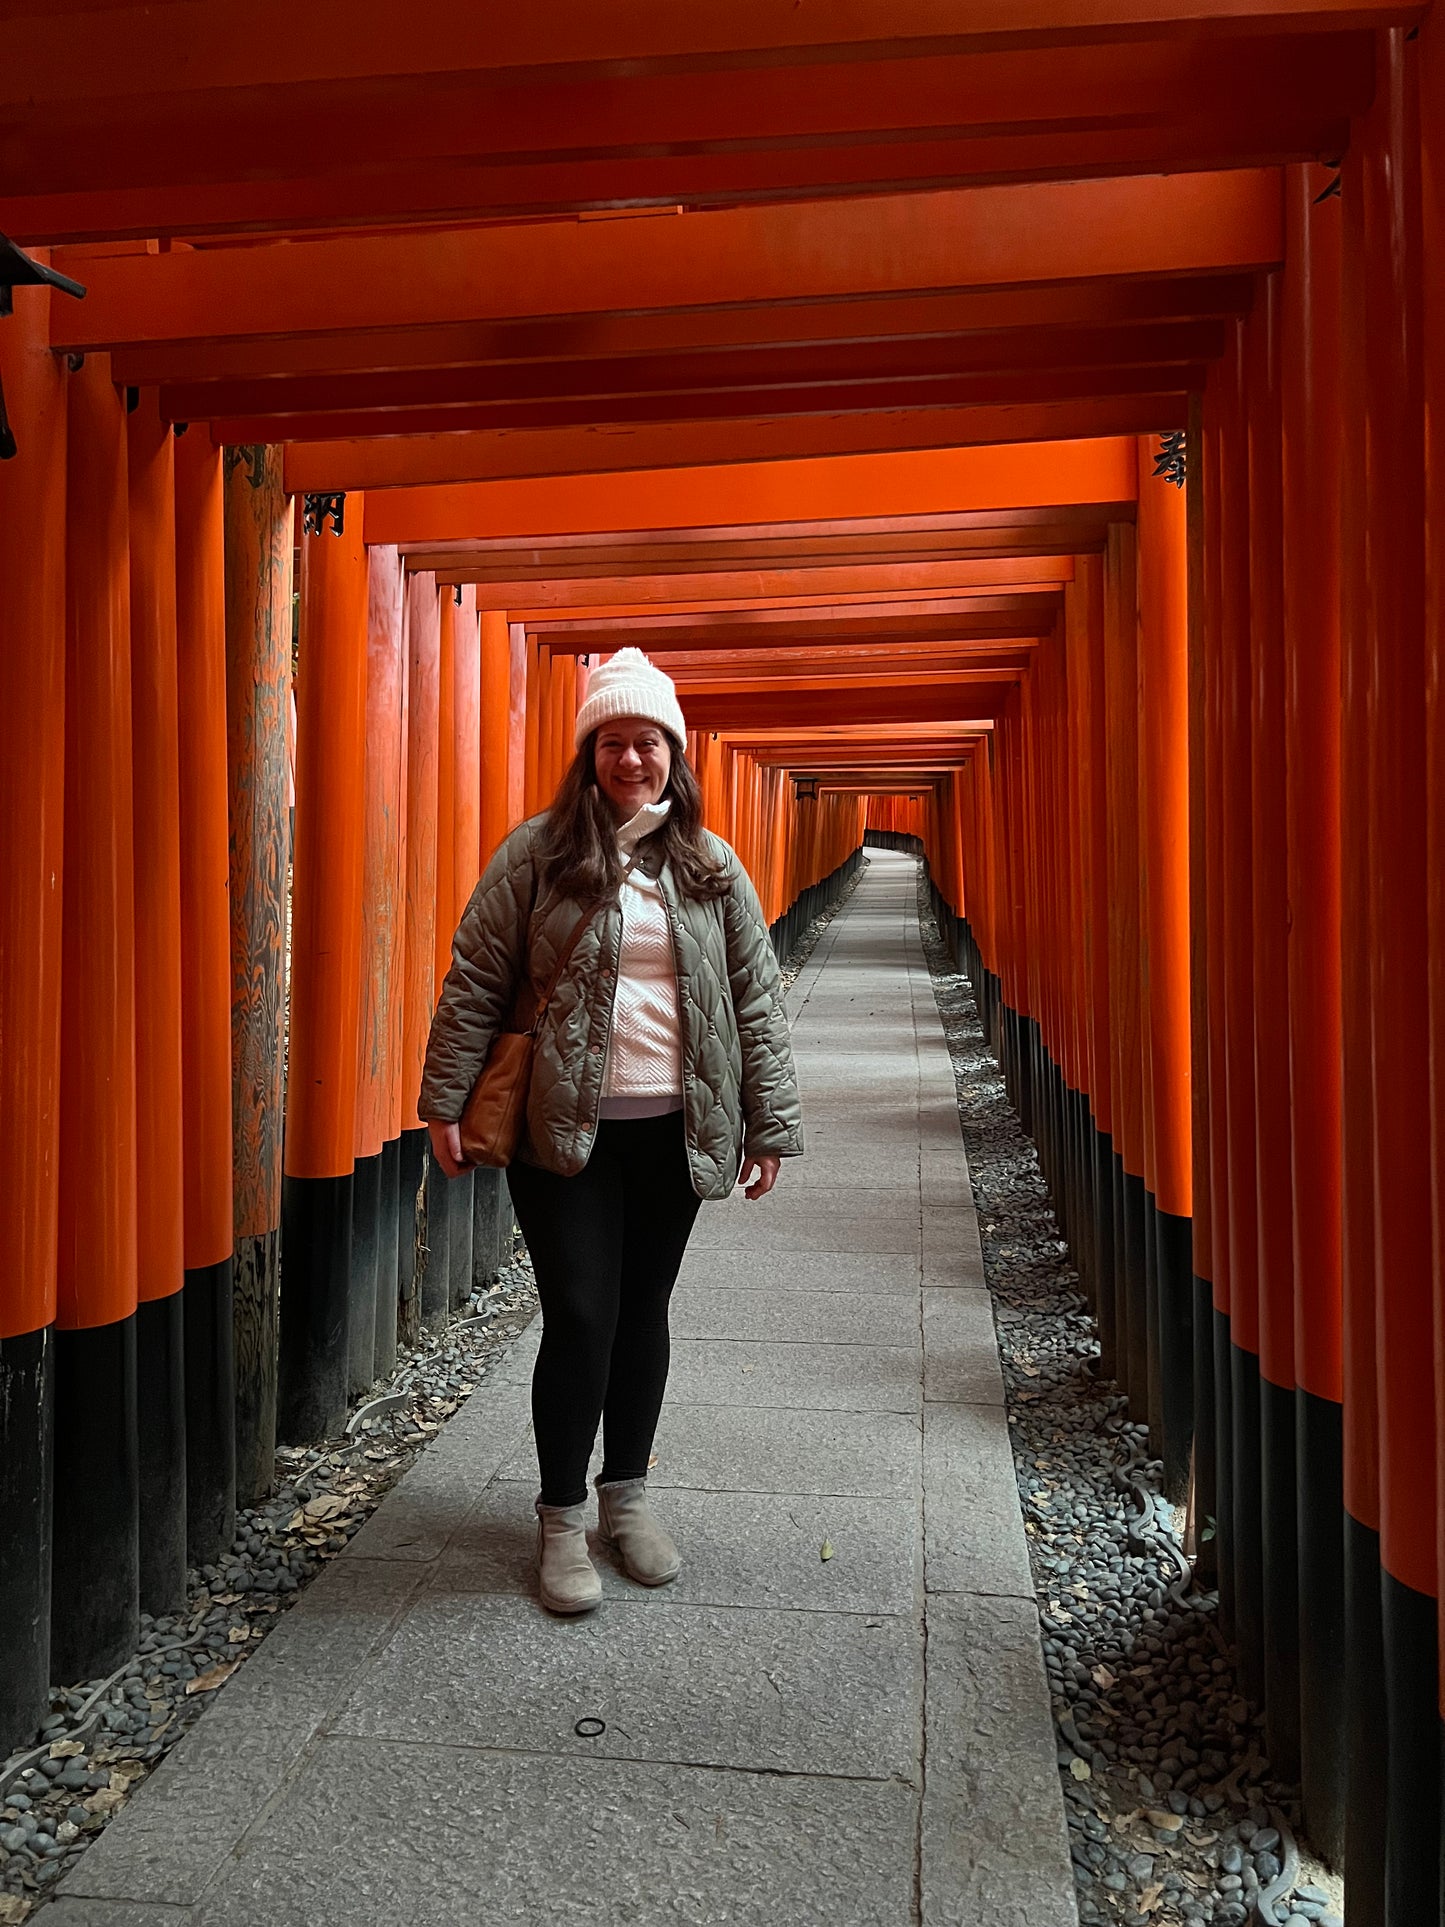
(739, 1085)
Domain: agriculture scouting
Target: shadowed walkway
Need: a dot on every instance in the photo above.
(789, 1737)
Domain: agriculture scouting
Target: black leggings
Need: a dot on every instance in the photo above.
(606, 1247)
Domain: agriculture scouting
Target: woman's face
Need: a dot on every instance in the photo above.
(633, 760)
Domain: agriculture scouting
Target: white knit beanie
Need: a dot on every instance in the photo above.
(627, 684)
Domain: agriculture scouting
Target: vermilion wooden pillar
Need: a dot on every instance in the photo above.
(440, 1190)
(258, 563)
(1087, 594)
(495, 646)
(1432, 125)
(1366, 1737)
(371, 1342)
(465, 835)
(532, 779)
(1270, 950)
(517, 731)
(32, 800)
(428, 1283)
(1399, 993)
(94, 1603)
(1204, 1456)
(1310, 372)
(160, 1329)
(1125, 959)
(1164, 828)
(205, 1000)
(326, 937)
(1241, 1560)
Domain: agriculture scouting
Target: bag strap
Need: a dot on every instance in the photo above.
(564, 956)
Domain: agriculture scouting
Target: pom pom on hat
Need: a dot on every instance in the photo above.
(627, 684)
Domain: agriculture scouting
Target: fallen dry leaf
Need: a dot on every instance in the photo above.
(1103, 1677)
(125, 1775)
(14, 1908)
(1151, 1897)
(215, 1676)
(1081, 1769)
(106, 1801)
(825, 1551)
(66, 1750)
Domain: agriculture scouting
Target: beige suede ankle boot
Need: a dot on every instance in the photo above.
(648, 1554)
(568, 1581)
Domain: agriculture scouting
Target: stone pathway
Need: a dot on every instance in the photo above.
(836, 1715)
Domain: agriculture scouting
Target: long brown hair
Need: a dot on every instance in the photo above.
(578, 854)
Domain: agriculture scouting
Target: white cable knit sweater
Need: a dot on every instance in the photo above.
(644, 1052)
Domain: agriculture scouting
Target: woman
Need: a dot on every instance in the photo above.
(663, 1064)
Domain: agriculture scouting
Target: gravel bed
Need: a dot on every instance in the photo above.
(1173, 1814)
(792, 965)
(104, 1736)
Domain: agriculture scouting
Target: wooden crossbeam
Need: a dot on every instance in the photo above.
(969, 238)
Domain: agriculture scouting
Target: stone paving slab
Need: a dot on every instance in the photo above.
(493, 1839)
(973, 1535)
(795, 1317)
(811, 1228)
(743, 1549)
(180, 1830)
(841, 1271)
(828, 1165)
(866, 1455)
(403, 1748)
(818, 1378)
(65, 1912)
(962, 1347)
(701, 1685)
(994, 1842)
(876, 1202)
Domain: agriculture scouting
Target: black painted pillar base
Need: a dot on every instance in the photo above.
(1153, 1326)
(1247, 1550)
(491, 1224)
(1085, 1241)
(255, 1303)
(160, 1356)
(1136, 1287)
(387, 1260)
(1120, 1270)
(1105, 1254)
(365, 1257)
(1319, 1485)
(95, 1567)
(1409, 1628)
(1205, 1468)
(1366, 1740)
(436, 1280)
(1224, 1471)
(460, 1208)
(315, 1292)
(210, 1412)
(410, 1232)
(27, 1459)
(1279, 1562)
(1174, 1269)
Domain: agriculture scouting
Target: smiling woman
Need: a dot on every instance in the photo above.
(632, 941)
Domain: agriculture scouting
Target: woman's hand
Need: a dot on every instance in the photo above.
(446, 1147)
(764, 1175)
